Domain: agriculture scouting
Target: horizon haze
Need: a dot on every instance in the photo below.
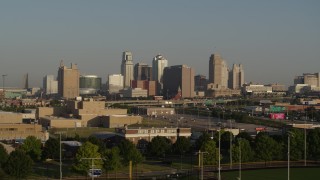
(274, 40)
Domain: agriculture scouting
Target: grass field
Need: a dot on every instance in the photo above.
(274, 174)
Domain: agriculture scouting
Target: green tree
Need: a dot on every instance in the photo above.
(225, 140)
(159, 146)
(204, 138)
(313, 140)
(51, 149)
(296, 144)
(3, 155)
(19, 164)
(212, 154)
(98, 142)
(32, 146)
(244, 135)
(266, 149)
(247, 153)
(87, 150)
(182, 145)
(129, 152)
(112, 159)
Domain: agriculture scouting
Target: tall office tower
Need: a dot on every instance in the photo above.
(26, 81)
(200, 83)
(176, 78)
(115, 83)
(89, 84)
(158, 65)
(50, 85)
(68, 81)
(236, 77)
(312, 79)
(218, 71)
(142, 71)
(127, 68)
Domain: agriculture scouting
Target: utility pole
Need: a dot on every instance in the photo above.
(288, 156)
(231, 134)
(239, 158)
(219, 169)
(305, 138)
(92, 165)
(289, 134)
(60, 155)
(201, 161)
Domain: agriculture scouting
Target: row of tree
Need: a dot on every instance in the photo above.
(263, 148)
(19, 162)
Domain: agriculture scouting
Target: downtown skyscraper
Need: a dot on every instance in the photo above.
(218, 71)
(178, 78)
(236, 76)
(127, 68)
(68, 81)
(142, 71)
(158, 65)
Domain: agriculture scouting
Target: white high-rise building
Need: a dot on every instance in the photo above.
(127, 68)
(158, 65)
(236, 77)
(50, 85)
(115, 83)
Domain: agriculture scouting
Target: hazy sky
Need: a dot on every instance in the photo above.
(275, 40)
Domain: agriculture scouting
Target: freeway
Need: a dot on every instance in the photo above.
(200, 123)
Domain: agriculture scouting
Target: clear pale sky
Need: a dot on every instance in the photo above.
(275, 40)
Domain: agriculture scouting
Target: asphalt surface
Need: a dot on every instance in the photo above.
(204, 123)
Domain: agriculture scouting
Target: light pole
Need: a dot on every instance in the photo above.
(201, 161)
(289, 134)
(230, 134)
(239, 158)
(60, 155)
(305, 139)
(92, 165)
(288, 156)
(219, 168)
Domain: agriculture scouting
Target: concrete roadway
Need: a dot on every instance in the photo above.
(203, 123)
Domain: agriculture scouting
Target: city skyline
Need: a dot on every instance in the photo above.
(274, 41)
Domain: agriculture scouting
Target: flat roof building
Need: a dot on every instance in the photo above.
(68, 81)
(136, 134)
(179, 77)
(115, 83)
(218, 70)
(50, 85)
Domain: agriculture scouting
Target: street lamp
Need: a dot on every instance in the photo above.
(305, 138)
(60, 155)
(239, 159)
(219, 169)
(201, 159)
(92, 165)
(289, 134)
(230, 134)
